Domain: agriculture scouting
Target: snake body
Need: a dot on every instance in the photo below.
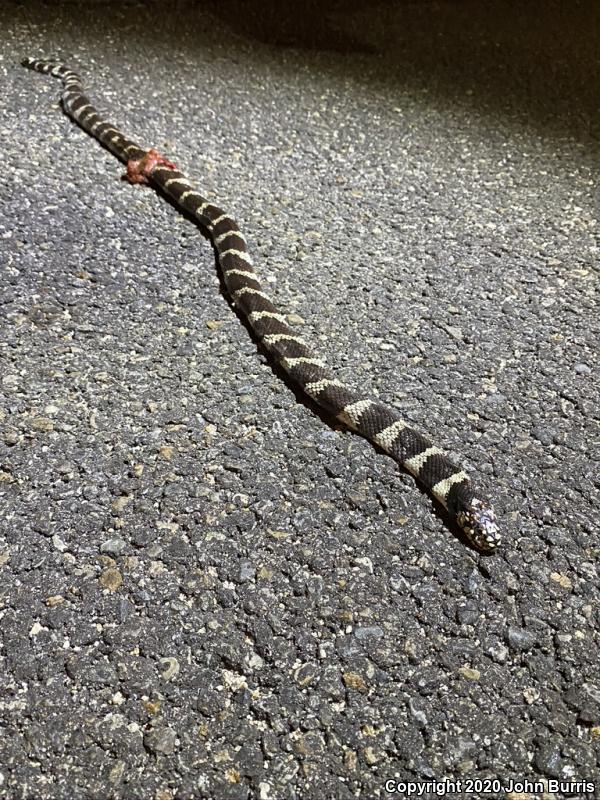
(379, 423)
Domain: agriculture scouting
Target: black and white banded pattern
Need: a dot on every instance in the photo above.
(380, 424)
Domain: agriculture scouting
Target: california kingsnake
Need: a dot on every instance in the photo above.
(380, 424)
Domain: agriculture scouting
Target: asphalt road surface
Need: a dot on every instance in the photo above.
(208, 590)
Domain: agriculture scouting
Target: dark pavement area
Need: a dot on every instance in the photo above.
(207, 590)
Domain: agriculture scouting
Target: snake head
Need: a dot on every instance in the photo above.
(478, 522)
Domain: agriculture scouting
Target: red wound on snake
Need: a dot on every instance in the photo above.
(139, 170)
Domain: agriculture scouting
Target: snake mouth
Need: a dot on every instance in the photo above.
(478, 522)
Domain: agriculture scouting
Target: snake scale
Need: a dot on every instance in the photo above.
(380, 424)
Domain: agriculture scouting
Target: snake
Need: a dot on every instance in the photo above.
(381, 424)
